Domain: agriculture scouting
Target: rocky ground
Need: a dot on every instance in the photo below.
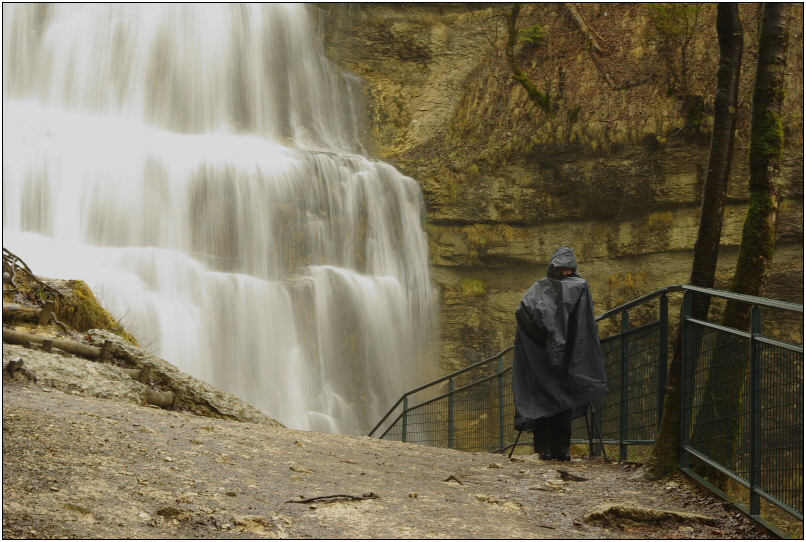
(88, 455)
(82, 466)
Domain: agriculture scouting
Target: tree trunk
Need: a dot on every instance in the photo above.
(162, 399)
(720, 416)
(766, 150)
(720, 158)
(20, 312)
(665, 455)
(85, 351)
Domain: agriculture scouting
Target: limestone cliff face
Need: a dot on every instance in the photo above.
(615, 170)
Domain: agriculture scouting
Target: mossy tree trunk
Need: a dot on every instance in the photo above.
(720, 419)
(766, 150)
(665, 455)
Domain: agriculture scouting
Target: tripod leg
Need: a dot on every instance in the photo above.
(516, 443)
(598, 432)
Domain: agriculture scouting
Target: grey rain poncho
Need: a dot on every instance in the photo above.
(558, 362)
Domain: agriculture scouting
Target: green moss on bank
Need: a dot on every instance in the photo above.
(473, 288)
(81, 311)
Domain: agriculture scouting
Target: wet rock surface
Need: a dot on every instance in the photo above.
(88, 467)
(109, 380)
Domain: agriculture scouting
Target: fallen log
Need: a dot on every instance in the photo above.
(162, 399)
(32, 314)
(141, 375)
(134, 373)
(46, 346)
(85, 351)
(583, 26)
(596, 49)
(20, 312)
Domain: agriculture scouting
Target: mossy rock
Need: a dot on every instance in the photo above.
(79, 309)
(84, 312)
(76, 307)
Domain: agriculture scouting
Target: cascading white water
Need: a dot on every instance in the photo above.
(197, 166)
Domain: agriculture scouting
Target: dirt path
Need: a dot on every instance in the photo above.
(84, 467)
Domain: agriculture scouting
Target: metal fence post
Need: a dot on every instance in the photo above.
(625, 367)
(755, 411)
(451, 421)
(685, 400)
(598, 447)
(663, 353)
(501, 435)
(405, 417)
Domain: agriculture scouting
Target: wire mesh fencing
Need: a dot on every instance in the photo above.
(719, 402)
(781, 426)
(742, 401)
(472, 417)
(468, 419)
(630, 413)
(479, 416)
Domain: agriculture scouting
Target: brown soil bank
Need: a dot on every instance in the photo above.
(87, 467)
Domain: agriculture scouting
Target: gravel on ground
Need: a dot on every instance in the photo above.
(86, 467)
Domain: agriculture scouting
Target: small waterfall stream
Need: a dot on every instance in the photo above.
(200, 166)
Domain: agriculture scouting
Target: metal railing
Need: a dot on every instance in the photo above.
(743, 409)
(468, 410)
(476, 413)
(742, 400)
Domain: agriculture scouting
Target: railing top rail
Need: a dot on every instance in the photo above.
(439, 380)
(750, 299)
(460, 371)
(639, 301)
(443, 396)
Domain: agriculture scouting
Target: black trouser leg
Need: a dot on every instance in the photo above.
(561, 433)
(543, 436)
(553, 434)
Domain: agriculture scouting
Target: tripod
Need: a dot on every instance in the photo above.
(592, 412)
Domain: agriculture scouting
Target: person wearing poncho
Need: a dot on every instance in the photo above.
(558, 367)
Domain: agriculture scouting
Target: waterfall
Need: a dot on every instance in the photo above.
(201, 167)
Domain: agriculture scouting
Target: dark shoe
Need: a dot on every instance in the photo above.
(545, 455)
(561, 457)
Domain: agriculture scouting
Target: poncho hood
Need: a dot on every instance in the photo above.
(558, 363)
(563, 257)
